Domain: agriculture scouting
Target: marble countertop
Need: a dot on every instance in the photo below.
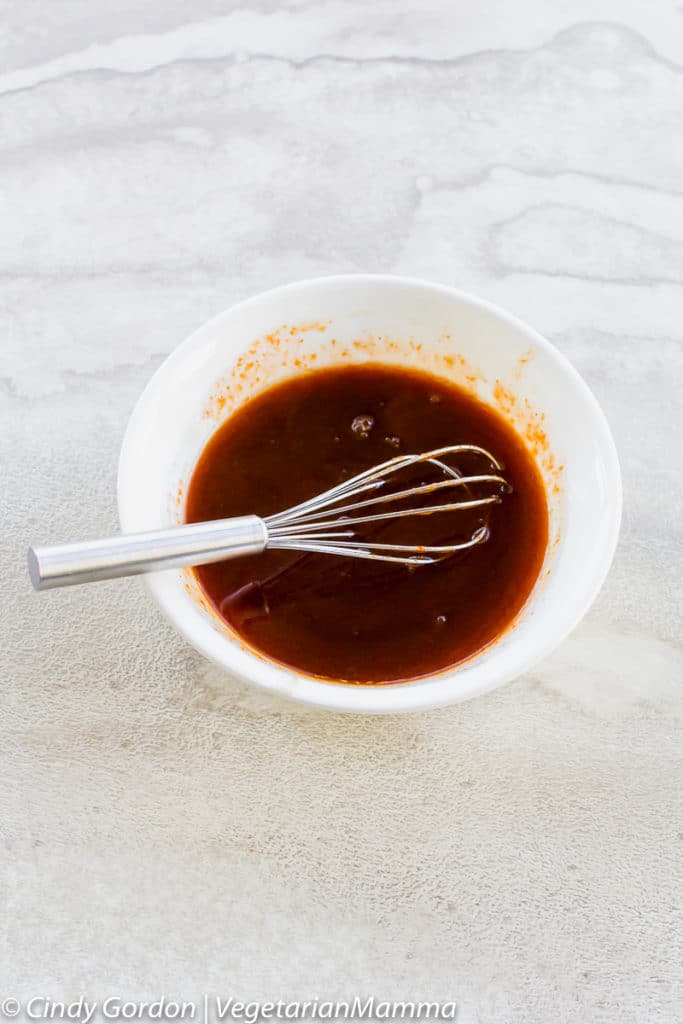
(167, 830)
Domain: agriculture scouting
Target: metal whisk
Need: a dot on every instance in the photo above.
(326, 523)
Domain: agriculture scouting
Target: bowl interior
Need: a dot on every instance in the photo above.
(331, 321)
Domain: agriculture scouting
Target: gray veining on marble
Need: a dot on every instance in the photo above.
(166, 831)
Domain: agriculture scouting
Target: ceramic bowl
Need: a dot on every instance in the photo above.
(355, 319)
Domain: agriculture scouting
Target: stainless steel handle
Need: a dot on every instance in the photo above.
(129, 554)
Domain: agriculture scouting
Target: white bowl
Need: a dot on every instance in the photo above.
(335, 320)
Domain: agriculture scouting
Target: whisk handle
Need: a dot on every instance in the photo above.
(130, 554)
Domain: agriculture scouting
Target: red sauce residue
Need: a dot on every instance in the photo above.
(258, 362)
(353, 620)
(177, 502)
(530, 424)
(522, 362)
(281, 352)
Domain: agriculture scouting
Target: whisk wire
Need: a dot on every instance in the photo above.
(313, 525)
(375, 477)
(409, 493)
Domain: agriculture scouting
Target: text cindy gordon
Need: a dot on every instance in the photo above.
(216, 1009)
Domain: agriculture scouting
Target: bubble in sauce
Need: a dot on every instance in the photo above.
(361, 426)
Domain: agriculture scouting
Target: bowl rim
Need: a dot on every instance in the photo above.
(448, 686)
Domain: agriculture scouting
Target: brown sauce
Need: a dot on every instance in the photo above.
(353, 620)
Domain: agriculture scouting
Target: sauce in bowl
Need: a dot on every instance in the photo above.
(352, 620)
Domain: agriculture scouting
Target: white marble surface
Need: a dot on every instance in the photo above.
(167, 831)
